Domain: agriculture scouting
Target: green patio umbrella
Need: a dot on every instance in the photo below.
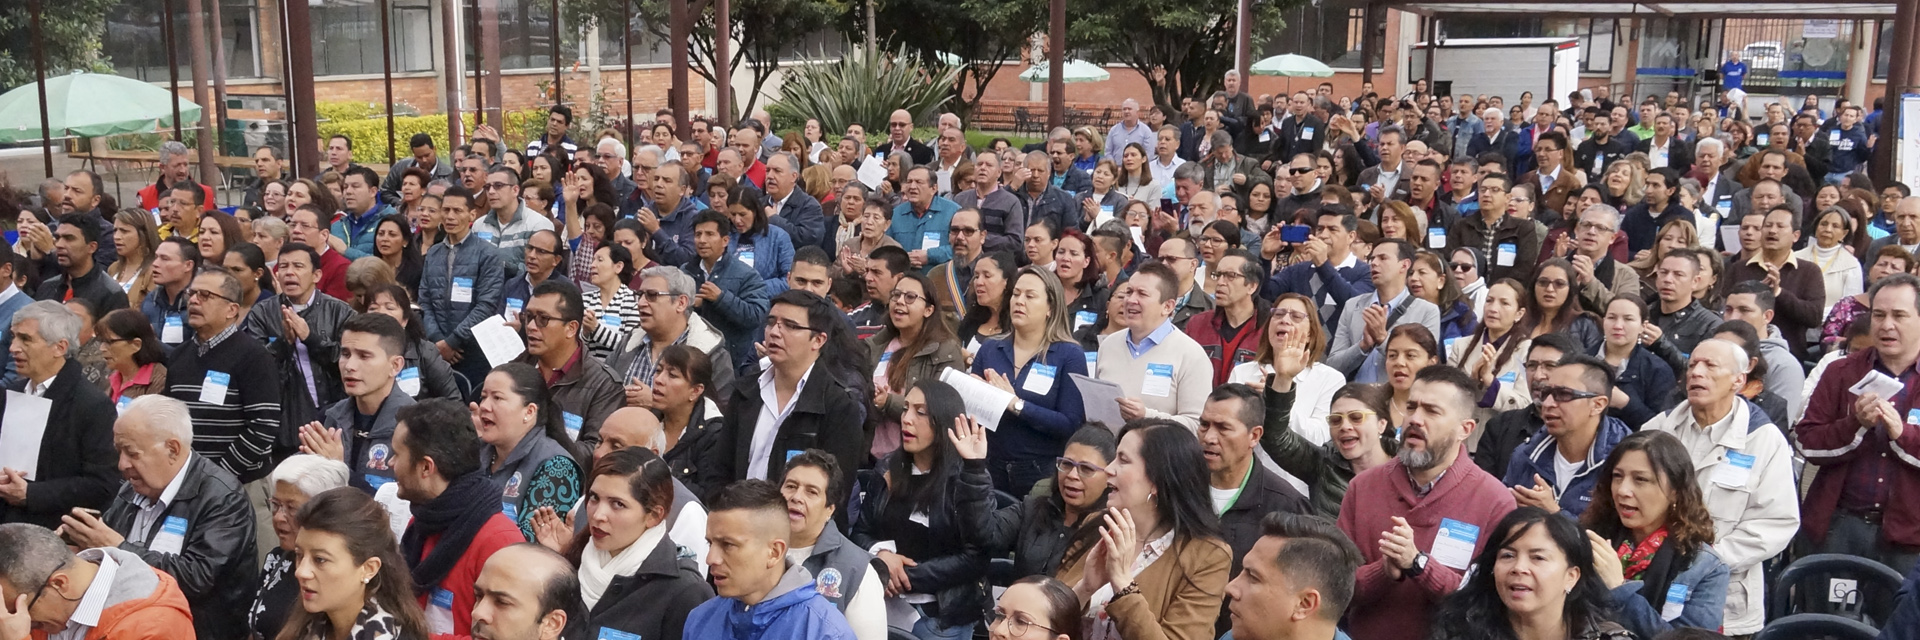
(1292, 66)
(89, 104)
(1072, 71)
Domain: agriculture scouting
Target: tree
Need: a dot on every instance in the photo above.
(1183, 47)
(73, 29)
(983, 34)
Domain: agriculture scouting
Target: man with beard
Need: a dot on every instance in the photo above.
(1390, 509)
(457, 524)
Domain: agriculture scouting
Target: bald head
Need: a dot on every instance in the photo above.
(628, 427)
(525, 592)
(1722, 351)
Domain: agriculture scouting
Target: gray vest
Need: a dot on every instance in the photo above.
(838, 565)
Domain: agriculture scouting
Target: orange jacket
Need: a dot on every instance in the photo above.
(162, 615)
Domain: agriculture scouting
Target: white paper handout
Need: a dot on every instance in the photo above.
(871, 173)
(20, 432)
(985, 402)
(1874, 382)
(498, 341)
(1101, 401)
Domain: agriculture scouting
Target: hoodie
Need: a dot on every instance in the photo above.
(1785, 377)
(1536, 457)
(141, 603)
(792, 611)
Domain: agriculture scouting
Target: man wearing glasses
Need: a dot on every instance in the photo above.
(584, 389)
(130, 598)
(1180, 254)
(922, 219)
(301, 328)
(792, 406)
(1508, 429)
(953, 280)
(1598, 278)
(1554, 470)
(542, 255)
(666, 318)
(731, 295)
(304, 226)
(509, 221)
(1305, 184)
(900, 136)
(1231, 332)
(1511, 244)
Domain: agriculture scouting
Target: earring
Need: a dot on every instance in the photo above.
(366, 580)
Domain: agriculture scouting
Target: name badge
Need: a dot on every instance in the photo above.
(462, 290)
(1306, 133)
(1436, 238)
(514, 305)
(485, 235)
(121, 406)
(609, 633)
(510, 510)
(409, 380)
(1833, 137)
(1447, 344)
(173, 331)
(1676, 603)
(921, 518)
(1040, 379)
(172, 536)
(973, 347)
(1913, 416)
(1599, 161)
(440, 612)
(1093, 358)
(1508, 377)
(573, 422)
(1083, 318)
(1453, 543)
(1505, 254)
(929, 241)
(213, 390)
(1159, 381)
(611, 320)
(1733, 474)
(746, 256)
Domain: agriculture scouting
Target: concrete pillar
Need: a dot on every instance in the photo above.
(1866, 37)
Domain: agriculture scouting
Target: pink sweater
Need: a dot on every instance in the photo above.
(1388, 609)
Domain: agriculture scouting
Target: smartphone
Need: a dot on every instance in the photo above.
(1166, 205)
(1295, 233)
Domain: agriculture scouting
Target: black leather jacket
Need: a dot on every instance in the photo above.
(957, 579)
(217, 566)
(324, 317)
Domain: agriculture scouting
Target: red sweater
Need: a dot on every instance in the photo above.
(1829, 436)
(1388, 609)
(498, 533)
(1226, 350)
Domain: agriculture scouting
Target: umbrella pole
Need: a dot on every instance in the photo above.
(173, 63)
(40, 76)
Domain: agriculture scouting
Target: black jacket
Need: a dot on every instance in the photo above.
(1034, 530)
(217, 567)
(956, 574)
(369, 452)
(828, 415)
(1504, 433)
(1297, 136)
(77, 466)
(96, 287)
(1263, 493)
(324, 317)
(692, 458)
(655, 600)
(436, 376)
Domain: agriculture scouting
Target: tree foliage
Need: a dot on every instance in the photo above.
(1183, 47)
(865, 86)
(983, 34)
(763, 30)
(73, 32)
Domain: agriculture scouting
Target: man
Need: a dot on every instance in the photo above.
(1003, 217)
(453, 300)
(1296, 581)
(612, 156)
(1679, 316)
(1620, 121)
(353, 233)
(1223, 168)
(1330, 274)
(1905, 225)
(1166, 158)
(1556, 470)
(1813, 148)
(307, 225)
(1753, 303)
(762, 594)
(1717, 188)
(1299, 130)
(666, 318)
(1242, 490)
(1642, 129)
(73, 467)
(1597, 277)
(1067, 177)
(339, 156)
(1366, 318)
(508, 221)
(1230, 333)
(793, 405)
(1507, 430)
(1382, 181)
(358, 430)
(582, 387)
(1497, 139)
(559, 119)
(745, 139)
(180, 212)
(1665, 149)
(180, 514)
(457, 524)
(953, 279)
(646, 161)
(1236, 104)
(1733, 72)
(844, 574)
(1463, 177)
(1798, 287)
(1511, 244)
(1862, 442)
(301, 328)
(885, 267)
(952, 157)
(1305, 183)
(1423, 188)
(268, 166)
(900, 136)
(921, 220)
(1643, 221)
(175, 167)
(1161, 371)
(74, 242)
(1770, 191)
(542, 255)
(794, 210)
(1388, 510)
(526, 592)
(473, 173)
(731, 295)
(424, 158)
(1043, 200)
(1851, 147)
(104, 594)
(12, 299)
(671, 235)
(1180, 254)
(1746, 474)
(1606, 145)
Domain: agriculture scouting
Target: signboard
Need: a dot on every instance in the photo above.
(1906, 159)
(1820, 29)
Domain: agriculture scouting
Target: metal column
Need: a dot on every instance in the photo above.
(304, 143)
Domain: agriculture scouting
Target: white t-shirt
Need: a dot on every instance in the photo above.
(1563, 471)
(1222, 498)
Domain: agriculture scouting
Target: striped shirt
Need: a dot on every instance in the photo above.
(617, 319)
(240, 432)
(510, 237)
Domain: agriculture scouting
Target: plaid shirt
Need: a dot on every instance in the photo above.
(643, 366)
(204, 346)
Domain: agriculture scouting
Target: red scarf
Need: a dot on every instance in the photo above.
(1635, 558)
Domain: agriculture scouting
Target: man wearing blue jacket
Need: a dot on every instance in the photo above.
(760, 595)
(455, 298)
(731, 295)
(1331, 274)
(1558, 468)
(920, 221)
(671, 233)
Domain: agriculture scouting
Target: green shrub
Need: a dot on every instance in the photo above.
(366, 126)
(863, 86)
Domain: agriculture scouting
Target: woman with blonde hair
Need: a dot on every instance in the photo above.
(1623, 185)
(1401, 220)
(1102, 201)
(1675, 234)
(1088, 145)
(134, 240)
(1033, 362)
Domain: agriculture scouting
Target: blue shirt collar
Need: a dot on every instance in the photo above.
(1153, 339)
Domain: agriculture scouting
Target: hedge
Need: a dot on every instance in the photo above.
(366, 126)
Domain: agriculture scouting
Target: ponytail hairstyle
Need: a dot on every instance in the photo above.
(532, 389)
(648, 478)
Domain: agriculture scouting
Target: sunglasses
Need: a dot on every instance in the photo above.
(1459, 267)
(1561, 395)
(1334, 420)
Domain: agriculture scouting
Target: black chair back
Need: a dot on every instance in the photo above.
(1813, 626)
(1838, 584)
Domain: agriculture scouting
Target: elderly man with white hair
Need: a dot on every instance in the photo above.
(1129, 130)
(611, 153)
(1746, 474)
(180, 513)
(298, 479)
(74, 466)
(1498, 138)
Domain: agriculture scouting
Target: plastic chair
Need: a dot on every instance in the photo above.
(1842, 585)
(1806, 626)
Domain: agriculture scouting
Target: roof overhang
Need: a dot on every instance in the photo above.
(1841, 9)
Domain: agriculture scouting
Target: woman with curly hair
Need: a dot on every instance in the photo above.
(1652, 538)
(1536, 572)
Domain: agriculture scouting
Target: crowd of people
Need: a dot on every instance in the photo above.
(1293, 366)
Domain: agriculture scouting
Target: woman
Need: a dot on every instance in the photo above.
(1675, 234)
(596, 222)
(1398, 220)
(1825, 197)
(757, 243)
(394, 246)
(353, 584)
(1257, 215)
(1625, 185)
(875, 217)
(1428, 281)
(915, 345)
(1034, 361)
(899, 163)
(1556, 310)
(1464, 266)
(1136, 180)
(1042, 238)
(850, 204)
(269, 234)
(1295, 319)
(1646, 382)
(1041, 530)
(689, 418)
(1838, 267)
(134, 240)
(1496, 351)
(1410, 348)
(1087, 147)
(426, 374)
(427, 221)
(365, 275)
(295, 481)
(987, 311)
(1890, 260)
(249, 266)
(1083, 276)
(273, 199)
(1100, 203)
(1536, 577)
(136, 365)
(1359, 436)
(1137, 217)
(1652, 538)
(632, 580)
(917, 512)
(612, 311)
(628, 233)
(413, 184)
(303, 192)
(1035, 608)
(815, 138)
(218, 231)
(586, 185)
(516, 161)
(529, 449)
(1160, 568)
(1215, 240)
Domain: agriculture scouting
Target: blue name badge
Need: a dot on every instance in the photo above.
(793, 452)
(1040, 379)
(510, 510)
(443, 598)
(746, 257)
(929, 241)
(121, 406)
(1734, 473)
(573, 422)
(375, 482)
(485, 235)
(1676, 603)
(1436, 238)
(1453, 543)
(1084, 318)
(514, 305)
(612, 320)
(1913, 416)
(609, 633)
(1093, 358)
(1508, 377)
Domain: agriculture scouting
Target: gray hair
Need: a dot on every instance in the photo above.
(1189, 171)
(654, 149)
(1709, 143)
(1739, 364)
(618, 146)
(1611, 213)
(1221, 139)
(273, 227)
(171, 148)
(679, 284)
(793, 163)
(57, 322)
(165, 415)
(311, 474)
(30, 554)
(1492, 114)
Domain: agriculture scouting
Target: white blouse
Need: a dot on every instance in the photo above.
(1313, 391)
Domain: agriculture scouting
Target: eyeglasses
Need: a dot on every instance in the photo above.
(652, 296)
(962, 231)
(1299, 170)
(1547, 283)
(1459, 267)
(1357, 416)
(1290, 315)
(496, 186)
(1594, 226)
(544, 250)
(1536, 365)
(276, 506)
(536, 319)
(1212, 240)
(905, 297)
(1016, 625)
(1561, 395)
(1077, 468)
(203, 294)
(1174, 258)
(785, 325)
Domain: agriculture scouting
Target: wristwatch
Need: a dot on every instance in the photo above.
(1419, 567)
(1019, 406)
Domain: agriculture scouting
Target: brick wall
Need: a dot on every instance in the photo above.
(519, 90)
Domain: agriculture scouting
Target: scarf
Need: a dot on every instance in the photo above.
(1634, 558)
(456, 516)
(1654, 563)
(598, 568)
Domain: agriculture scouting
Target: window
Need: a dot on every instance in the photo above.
(1330, 35)
(1596, 35)
(346, 37)
(1883, 50)
(133, 40)
(526, 35)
